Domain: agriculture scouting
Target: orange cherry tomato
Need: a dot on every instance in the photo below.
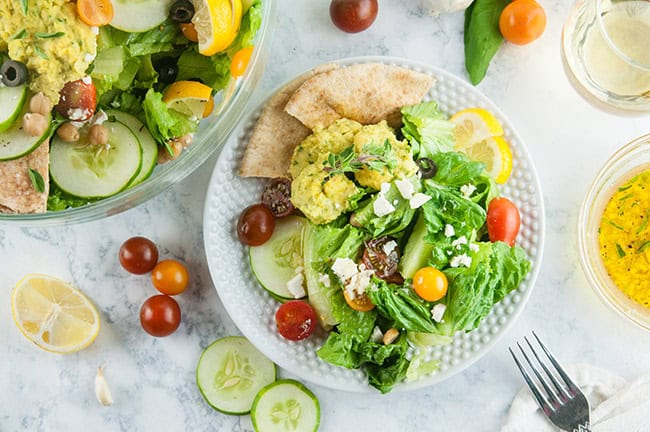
(240, 61)
(359, 303)
(522, 21)
(170, 277)
(95, 12)
(189, 31)
(430, 283)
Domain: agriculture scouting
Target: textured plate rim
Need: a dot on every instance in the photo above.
(536, 260)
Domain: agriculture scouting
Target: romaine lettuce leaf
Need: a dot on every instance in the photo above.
(427, 129)
(164, 123)
(392, 223)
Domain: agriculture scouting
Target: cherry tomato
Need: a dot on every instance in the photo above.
(430, 283)
(353, 16)
(95, 12)
(359, 303)
(522, 21)
(382, 255)
(138, 255)
(503, 220)
(160, 315)
(77, 100)
(255, 225)
(296, 320)
(170, 277)
(189, 31)
(240, 61)
(277, 197)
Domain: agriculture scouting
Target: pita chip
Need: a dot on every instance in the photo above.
(276, 134)
(17, 193)
(367, 93)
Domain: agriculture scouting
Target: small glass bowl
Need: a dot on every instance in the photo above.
(631, 159)
(211, 135)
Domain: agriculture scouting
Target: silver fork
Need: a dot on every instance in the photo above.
(565, 405)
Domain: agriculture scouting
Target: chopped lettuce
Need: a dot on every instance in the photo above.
(164, 123)
(390, 224)
(427, 129)
(212, 71)
(58, 200)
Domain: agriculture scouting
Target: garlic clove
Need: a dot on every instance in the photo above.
(102, 391)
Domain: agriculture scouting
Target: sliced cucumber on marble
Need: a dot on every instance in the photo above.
(148, 144)
(274, 262)
(230, 373)
(95, 171)
(14, 141)
(285, 406)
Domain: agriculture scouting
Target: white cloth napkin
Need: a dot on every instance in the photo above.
(616, 405)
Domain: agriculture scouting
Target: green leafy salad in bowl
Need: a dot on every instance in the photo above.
(385, 233)
(97, 95)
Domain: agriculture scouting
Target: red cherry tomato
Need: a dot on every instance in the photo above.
(170, 277)
(277, 197)
(77, 100)
(522, 21)
(138, 255)
(160, 315)
(255, 225)
(503, 220)
(353, 16)
(296, 320)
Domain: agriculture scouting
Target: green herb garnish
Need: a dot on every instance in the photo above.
(49, 35)
(24, 6)
(373, 156)
(39, 52)
(20, 34)
(644, 246)
(620, 251)
(615, 225)
(37, 180)
(644, 224)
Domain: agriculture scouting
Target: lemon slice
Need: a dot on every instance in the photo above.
(53, 314)
(190, 98)
(495, 153)
(217, 23)
(474, 125)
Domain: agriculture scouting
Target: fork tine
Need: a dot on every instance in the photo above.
(569, 382)
(551, 395)
(541, 400)
(560, 390)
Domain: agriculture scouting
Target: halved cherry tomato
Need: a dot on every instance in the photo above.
(382, 255)
(430, 283)
(95, 12)
(78, 100)
(503, 220)
(360, 303)
(522, 21)
(170, 277)
(189, 31)
(296, 320)
(277, 197)
(240, 61)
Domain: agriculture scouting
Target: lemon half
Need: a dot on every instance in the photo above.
(54, 315)
(473, 125)
(190, 98)
(217, 24)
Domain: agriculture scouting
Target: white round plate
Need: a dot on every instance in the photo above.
(253, 309)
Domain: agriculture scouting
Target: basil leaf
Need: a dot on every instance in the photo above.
(482, 36)
(37, 180)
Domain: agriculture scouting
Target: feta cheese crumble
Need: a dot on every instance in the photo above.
(418, 200)
(389, 247)
(344, 268)
(325, 280)
(294, 285)
(438, 311)
(355, 279)
(405, 188)
(449, 231)
(381, 206)
(467, 190)
(459, 241)
(461, 260)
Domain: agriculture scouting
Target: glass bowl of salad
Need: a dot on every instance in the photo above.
(103, 109)
(614, 232)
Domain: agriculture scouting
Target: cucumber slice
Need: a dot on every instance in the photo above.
(15, 143)
(274, 263)
(231, 371)
(12, 100)
(285, 406)
(89, 171)
(135, 16)
(417, 251)
(148, 144)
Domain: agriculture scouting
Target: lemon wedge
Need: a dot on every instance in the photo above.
(54, 315)
(495, 153)
(217, 24)
(190, 98)
(474, 125)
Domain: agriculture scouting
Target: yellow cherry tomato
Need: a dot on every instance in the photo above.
(360, 303)
(240, 61)
(430, 283)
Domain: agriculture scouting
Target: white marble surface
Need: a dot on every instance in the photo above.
(153, 379)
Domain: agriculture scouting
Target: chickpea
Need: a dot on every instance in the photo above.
(40, 104)
(98, 135)
(390, 336)
(177, 145)
(68, 133)
(35, 124)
